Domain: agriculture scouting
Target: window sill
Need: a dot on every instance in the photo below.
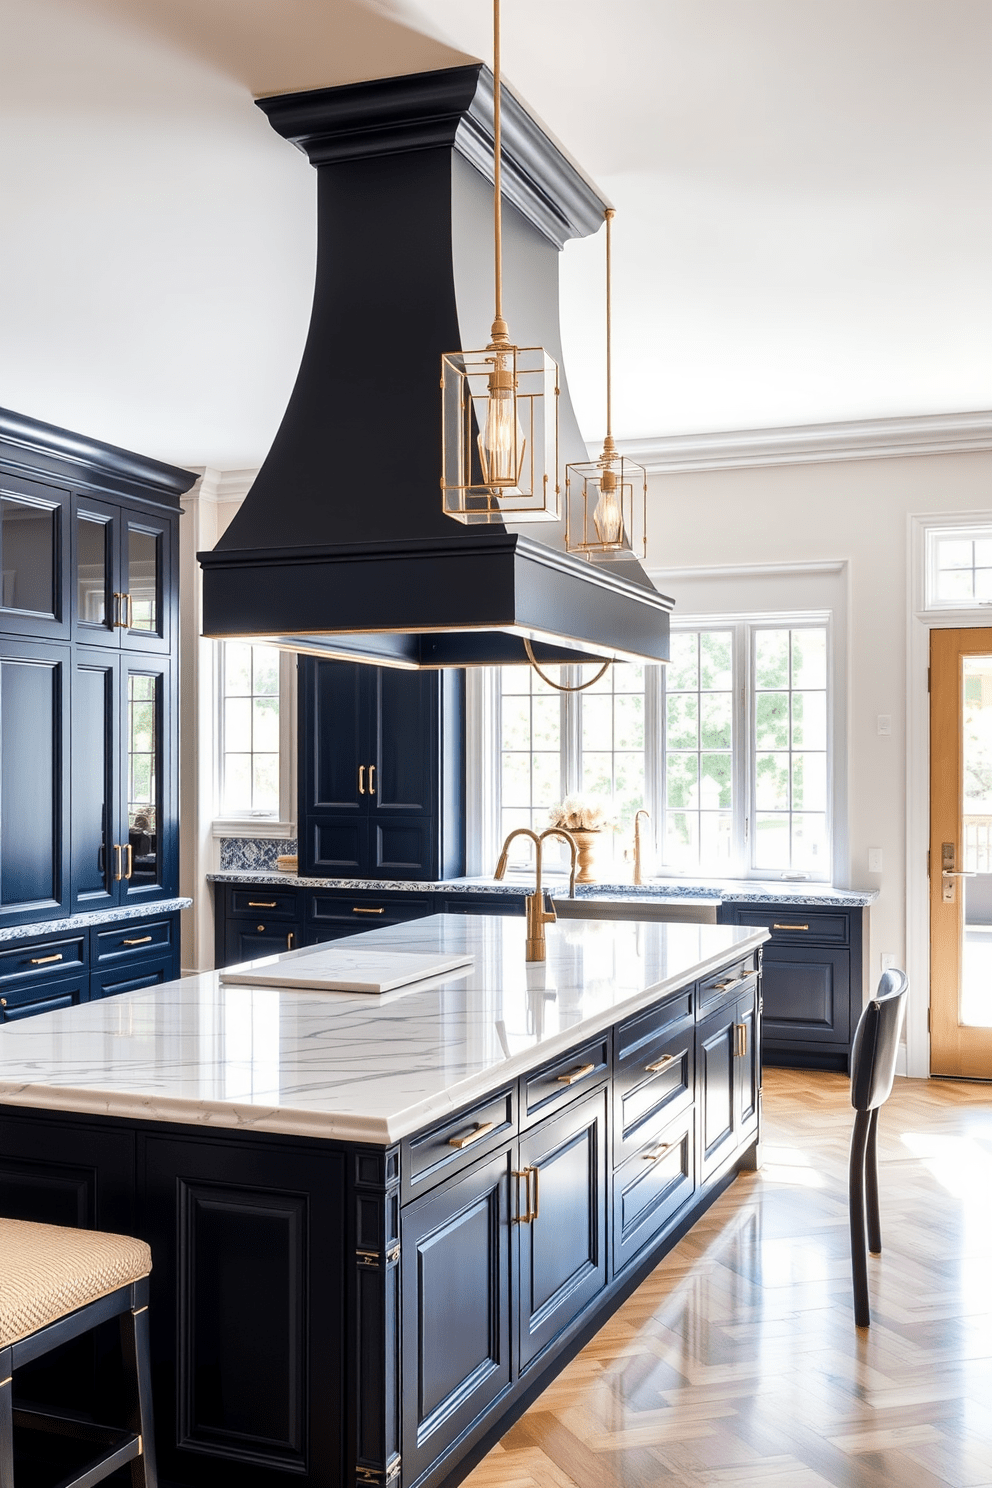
(253, 826)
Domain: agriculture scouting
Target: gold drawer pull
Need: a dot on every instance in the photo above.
(732, 982)
(289, 940)
(371, 780)
(44, 960)
(3, 1002)
(262, 904)
(359, 910)
(740, 1030)
(482, 1129)
(361, 780)
(790, 927)
(576, 1074)
(138, 940)
(660, 1064)
(658, 1153)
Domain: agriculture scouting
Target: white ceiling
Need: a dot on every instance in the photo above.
(804, 228)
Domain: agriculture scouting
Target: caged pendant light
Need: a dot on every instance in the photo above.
(606, 499)
(499, 406)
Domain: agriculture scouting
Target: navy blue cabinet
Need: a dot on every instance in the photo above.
(381, 772)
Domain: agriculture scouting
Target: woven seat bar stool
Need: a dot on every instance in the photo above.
(56, 1284)
(873, 1070)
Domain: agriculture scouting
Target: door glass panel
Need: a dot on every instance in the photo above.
(28, 545)
(91, 577)
(90, 826)
(142, 570)
(143, 772)
(976, 821)
(28, 788)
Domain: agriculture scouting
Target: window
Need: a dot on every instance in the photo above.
(254, 684)
(728, 748)
(959, 567)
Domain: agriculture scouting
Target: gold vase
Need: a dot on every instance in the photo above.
(586, 842)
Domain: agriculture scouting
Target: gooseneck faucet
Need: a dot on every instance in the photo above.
(537, 915)
(637, 844)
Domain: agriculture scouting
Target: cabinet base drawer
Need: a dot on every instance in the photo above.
(456, 1142)
(651, 1187)
(39, 962)
(128, 941)
(558, 1083)
(651, 1087)
(131, 978)
(27, 1001)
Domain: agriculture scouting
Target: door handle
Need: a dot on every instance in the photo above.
(371, 780)
(130, 861)
(129, 622)
(361, 780)
(537, 1193)
(740, 1030)
(953, 873)
(289, 941)
(118, 874)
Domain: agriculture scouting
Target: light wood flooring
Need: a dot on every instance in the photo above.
(737, 1361)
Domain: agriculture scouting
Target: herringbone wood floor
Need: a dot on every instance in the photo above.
(738, 1362)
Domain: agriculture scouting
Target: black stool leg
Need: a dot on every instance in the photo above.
(6, 1421)
(138, 1365)
(856, 1201)
(871, 1188)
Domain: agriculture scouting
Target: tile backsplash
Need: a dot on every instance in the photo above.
(254, 854)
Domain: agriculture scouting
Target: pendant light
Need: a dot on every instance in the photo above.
(606, 499)
(499, 406)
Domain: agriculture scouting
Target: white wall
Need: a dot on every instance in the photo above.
(855, 512)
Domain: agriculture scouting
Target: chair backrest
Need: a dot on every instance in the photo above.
(876, 1043)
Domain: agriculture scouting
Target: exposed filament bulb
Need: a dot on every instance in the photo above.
(608, 516)
(502, 442)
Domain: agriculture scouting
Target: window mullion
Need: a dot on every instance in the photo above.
(743, 729)
(654, 760)
(571, 733)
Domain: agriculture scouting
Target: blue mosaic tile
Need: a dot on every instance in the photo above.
(254, 854)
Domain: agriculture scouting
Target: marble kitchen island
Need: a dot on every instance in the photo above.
(380, 1224)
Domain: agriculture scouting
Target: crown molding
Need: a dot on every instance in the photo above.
(222, 485)
(806, 444)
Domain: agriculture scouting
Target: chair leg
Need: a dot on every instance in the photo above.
(6, 1422)
(871, 1188)
(856, 1203)
(136, 1345)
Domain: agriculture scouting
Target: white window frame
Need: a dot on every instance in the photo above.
(280, 824)
(958, 530)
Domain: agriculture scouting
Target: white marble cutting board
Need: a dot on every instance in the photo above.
(348, 968)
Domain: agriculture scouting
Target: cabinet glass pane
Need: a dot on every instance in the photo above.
(28, 762)
(90, 774)
(143, 772)
(142, 572)
(91, 571)
(28, 545)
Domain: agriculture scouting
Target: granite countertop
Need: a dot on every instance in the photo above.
(93, 917)
(348, 1066)
(656, 891)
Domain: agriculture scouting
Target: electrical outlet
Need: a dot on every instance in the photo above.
(874, 860)
(885, 723)
(889, 960)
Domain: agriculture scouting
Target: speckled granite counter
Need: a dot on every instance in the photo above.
(93, 917)
(348, 1066)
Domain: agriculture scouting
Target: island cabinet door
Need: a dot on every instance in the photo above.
(247, 1287)
(562, 1222)
(716, 1067)
(456, 1310)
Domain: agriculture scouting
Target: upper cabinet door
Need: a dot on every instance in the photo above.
(335, 752)
(34, 696)
(96, 564)
(95, 856)
(146, 610)
(34, 558)
(146, 847)
(405, 743)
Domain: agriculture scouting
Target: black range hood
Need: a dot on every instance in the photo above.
(341, 547)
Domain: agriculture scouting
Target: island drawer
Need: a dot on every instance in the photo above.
(568, 1076)
(788, 924)
(457, 1141)
(634, 1033)
(49, 959)
(278, 904)
(113, 980)
(129, 942)
(25, 1001)
(652, 1085)
(651, 1188)
(729, 981)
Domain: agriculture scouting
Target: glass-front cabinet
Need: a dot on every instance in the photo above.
(122, 574)
(34, 687)
(33, 558)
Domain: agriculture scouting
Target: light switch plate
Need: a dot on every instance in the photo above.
(874, 860)
(885, 723)
(888, 960)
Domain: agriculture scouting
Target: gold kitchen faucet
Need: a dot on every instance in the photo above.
(537, 915)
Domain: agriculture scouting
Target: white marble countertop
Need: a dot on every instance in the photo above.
(347, 1066)
(656, 890)
(86, 918)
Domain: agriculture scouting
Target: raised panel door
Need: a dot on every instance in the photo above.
(335, 739)
(33, 780)
(807, 994)
(405, 728)
(748, 1063)
(562, 1239)
(716, 1045)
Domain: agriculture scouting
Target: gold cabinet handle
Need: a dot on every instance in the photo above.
(731, 982)
(118, 874)
(658, 1153)
(118, 610)
(537, 1192)
(138, 940)
(660, 1064)
(261, 903)
(357, 909)
(481, 1129)
(260, 929)
(289, 941)
(790, 927)
(371, 780)
(44, 960)
(576, 1074)
(3, 1002)
(517, 1175)
(361, 780)
(741, 1034)
(130, 861)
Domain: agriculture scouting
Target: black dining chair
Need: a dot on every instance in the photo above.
(873, 1068)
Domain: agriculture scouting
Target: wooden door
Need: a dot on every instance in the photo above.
(961, 853)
